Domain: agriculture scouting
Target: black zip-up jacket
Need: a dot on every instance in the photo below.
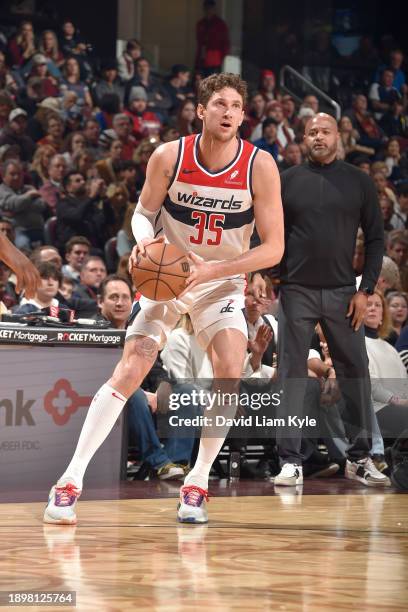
(323, 208)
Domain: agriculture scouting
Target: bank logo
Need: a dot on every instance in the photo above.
(63, 401)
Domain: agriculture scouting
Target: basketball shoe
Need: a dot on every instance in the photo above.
(61, 504)
(192, 507)
(289, 476)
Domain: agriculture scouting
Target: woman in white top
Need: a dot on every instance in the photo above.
(388, 375)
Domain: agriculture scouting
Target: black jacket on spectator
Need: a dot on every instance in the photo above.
(87, 217)
(23, 142)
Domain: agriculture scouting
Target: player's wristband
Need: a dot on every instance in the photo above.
(143, 222)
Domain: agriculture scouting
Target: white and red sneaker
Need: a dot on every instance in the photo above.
(61, 504)
(192, 507)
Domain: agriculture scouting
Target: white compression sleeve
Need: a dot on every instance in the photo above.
(143, 222)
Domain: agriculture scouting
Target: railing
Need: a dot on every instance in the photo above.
(288, 73)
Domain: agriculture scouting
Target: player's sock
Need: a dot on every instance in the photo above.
(207, 453)
(212, 439)
(105, 408)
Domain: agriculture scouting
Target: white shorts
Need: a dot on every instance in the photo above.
(212, 307)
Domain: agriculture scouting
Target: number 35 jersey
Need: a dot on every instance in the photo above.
(210, 213)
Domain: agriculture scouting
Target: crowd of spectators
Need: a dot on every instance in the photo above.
(76, 136)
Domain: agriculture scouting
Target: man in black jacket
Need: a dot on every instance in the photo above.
(83, 213)
(325, 200)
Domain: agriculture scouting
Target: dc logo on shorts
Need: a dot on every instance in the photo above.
(228, 308)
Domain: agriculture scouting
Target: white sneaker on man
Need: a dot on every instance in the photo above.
(62, 500)
(290, 475)
(365, 471)
(192, 507)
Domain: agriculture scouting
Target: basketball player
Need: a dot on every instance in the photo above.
(208, 189)
(27, 275)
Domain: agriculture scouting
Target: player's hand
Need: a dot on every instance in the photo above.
(357, 309)
(140, 249)
(200, 272)
(259, 287)
(27, 275)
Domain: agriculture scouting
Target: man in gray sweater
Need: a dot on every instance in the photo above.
(23, 204)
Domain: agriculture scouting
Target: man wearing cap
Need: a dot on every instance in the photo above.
(177, 86)
(39, 68)
(15, 134)
(212, 40)
(144, 122)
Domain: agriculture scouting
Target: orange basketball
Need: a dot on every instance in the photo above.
(160, 274)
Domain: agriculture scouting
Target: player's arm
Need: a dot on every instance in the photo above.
(28, 277)
(159, 172)
(269, 224)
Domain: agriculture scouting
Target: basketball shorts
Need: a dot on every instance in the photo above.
(212, 307)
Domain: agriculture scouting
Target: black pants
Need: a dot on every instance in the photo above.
(300, 309)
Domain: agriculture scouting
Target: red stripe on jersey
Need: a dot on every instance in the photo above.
(233, 176)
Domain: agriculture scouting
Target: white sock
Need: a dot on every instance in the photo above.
(105, 408)
(210, 445)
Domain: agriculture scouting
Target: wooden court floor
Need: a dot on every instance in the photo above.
(289, 551)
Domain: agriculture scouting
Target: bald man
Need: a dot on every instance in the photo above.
(27, 275)
(325, 200)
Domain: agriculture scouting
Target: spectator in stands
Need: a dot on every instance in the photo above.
(310, 101)
(46, 294)
(93, 272)
(77, 249)
(110, 106)
(40, 165)
(158, 100)
(371, 135)
(115, 300)
(395, 64)
(292, 156)
(349, 138)
(397, 249)
(74, 143)
(252, 126)
(394, 122)
(122, 127)
(289, 111)
(142, 155)
(47, 253)
(7, 228)
(378, 175)
(109, 82)
(126, 61)
(363, 163)
(108, 168)
(397, 164)
(70, 41)
(284, 134)
(6, 106)
(23, 204)
(72, 81)
(15, 133)
(39, 68)
(54, 133)
(91, 132)
(382, 95)
(8, 83)
(268, 142)
(177, 86)
(387, 372)
(212, 40)
(267, 85)
(22, 46)
(118, 197)
(50, 48)
(397, 303)
(392, 220)
(52, 189)
(83, 212)
(67, 287)
(389, 278)
(84, 162)
(144, 122)
(187, 121)
(403, 202)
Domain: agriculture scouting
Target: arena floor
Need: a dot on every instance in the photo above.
(334, 545)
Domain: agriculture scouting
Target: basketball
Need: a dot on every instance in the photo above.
(160, 274)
